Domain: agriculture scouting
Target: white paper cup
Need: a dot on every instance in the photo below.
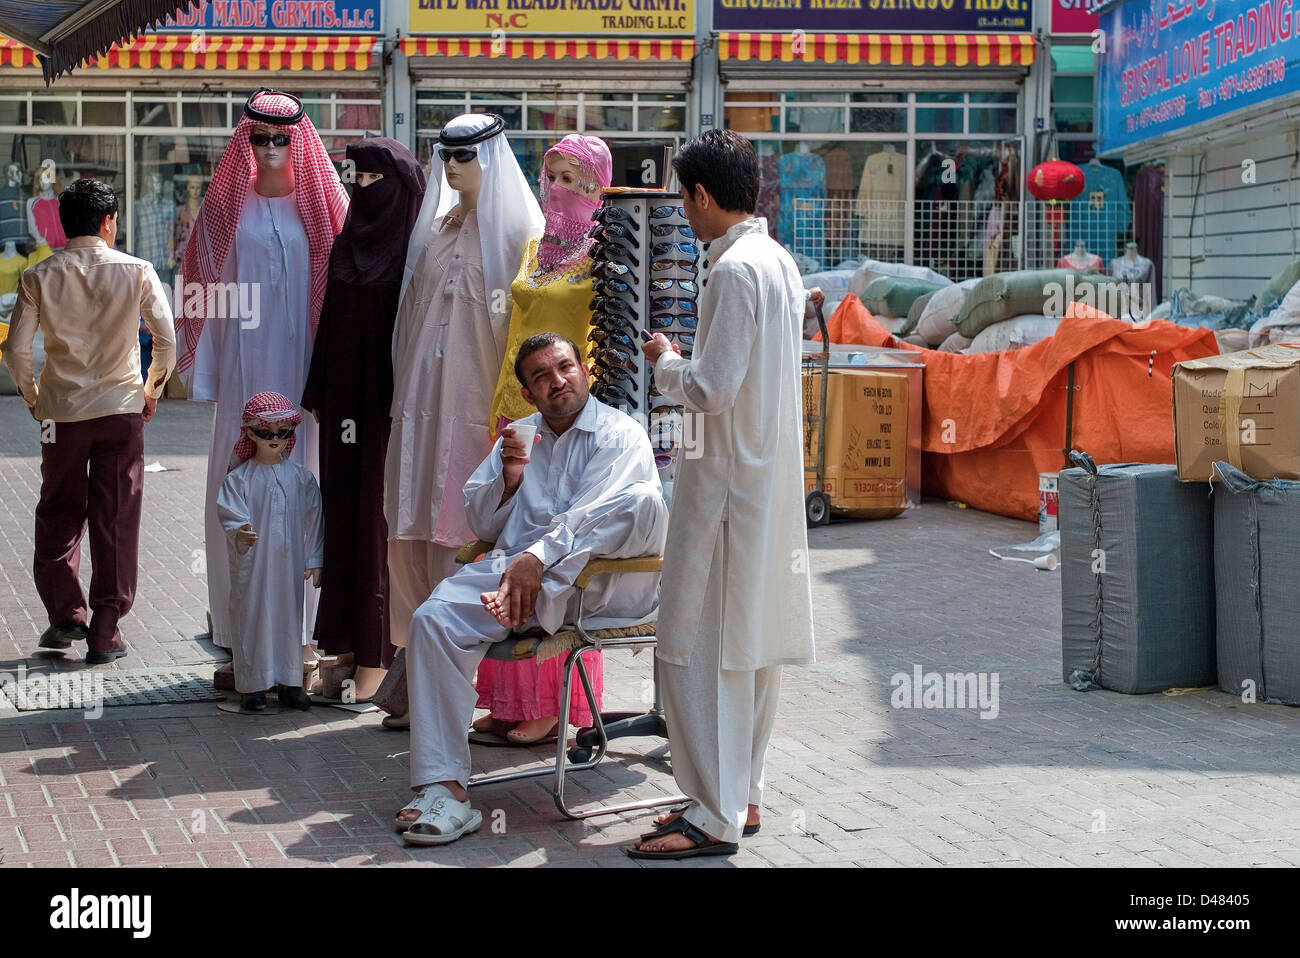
(526, 432)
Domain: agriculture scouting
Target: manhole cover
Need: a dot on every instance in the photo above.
(90, 690)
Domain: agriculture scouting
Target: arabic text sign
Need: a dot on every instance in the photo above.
(1169, 65)
(279, 16)
(553, 16)
(875, 16)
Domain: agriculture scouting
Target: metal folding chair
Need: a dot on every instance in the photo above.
(575, 639)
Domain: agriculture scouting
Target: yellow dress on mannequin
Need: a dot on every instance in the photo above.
(559, 302)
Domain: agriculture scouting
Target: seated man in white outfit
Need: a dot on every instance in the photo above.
(588, 487)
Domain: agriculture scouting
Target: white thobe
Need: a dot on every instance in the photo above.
(282, 504)
(593, 491)
(269, 352)
(736, 562)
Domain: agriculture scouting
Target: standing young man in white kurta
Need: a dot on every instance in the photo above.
(738, 596)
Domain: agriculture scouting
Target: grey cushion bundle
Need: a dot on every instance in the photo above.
(1256, 562)
(1146, 623)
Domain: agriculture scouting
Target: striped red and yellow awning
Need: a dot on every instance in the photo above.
(549, 48)
(203, 52)
(881, 49)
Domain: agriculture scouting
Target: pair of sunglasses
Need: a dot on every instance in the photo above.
(686, 339)
(607, 303)
(613, 395)
(611, 323)
(659, 285)
(666, 303)
(272, 433)
(611, 269)
(269, 139)
(614, 351)
(610, 250)
(618, 231)
(607, 214)
(668, 229)
(671, 249)
(617, 285)
(682, 264)
(460, 156)
(663, 212)
(608, 337)
(665, 320)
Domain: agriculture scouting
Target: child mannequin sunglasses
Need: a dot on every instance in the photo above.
(261, 433)
(268, 139)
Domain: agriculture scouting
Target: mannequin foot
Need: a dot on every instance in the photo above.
(294, 698)
(534, 730)
(367, 681)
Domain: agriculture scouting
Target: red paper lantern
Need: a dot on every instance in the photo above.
(1055, 181)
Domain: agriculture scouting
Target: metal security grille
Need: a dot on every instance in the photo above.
(959, 238)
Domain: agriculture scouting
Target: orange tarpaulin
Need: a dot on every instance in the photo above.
(992, 422)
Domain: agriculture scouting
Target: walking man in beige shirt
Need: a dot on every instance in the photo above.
(88, 300)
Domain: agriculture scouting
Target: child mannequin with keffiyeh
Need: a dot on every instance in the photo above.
(270, 510)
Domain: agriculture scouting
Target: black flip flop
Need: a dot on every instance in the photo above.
(703, 844)
(489, 740)
(748, 831)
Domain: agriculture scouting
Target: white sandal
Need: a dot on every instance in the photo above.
(421, 803)
(442, 819)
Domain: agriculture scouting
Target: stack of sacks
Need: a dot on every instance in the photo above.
(1233, 340)
(1013, 333)
(1279, 325)
(940, 309)
(1207, 312)
(1257, 606)
(1276, 289)
(894, 296)
(1035, 292)
(956, 343)
(874, 269)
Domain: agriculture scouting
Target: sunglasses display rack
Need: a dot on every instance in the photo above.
(645, 268)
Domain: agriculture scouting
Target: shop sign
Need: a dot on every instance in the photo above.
(1171, 65)
(1074, 17)
(625, 17)
(874, 16)
(278, 16)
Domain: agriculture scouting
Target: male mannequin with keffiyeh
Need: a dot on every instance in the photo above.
(267, 223)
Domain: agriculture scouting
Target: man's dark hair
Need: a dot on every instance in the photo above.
(83, 206)
(535, 343)
(723, 162)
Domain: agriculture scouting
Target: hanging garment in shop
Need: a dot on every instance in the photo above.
(11, 270)
(13, 216)
(803, 177)
(45, 210)
(1081, 262)
(153, 225)
(882, 193)
(769, 192)
(1100, 215)
(1149, 220)
(934, 220)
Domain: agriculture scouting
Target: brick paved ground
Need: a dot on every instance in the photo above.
(1057, 778)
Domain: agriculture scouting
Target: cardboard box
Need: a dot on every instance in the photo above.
(1242, 408)
(866, 441)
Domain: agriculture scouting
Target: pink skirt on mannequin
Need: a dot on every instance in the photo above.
(526, 690)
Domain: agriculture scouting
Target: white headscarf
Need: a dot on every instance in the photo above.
(508, 214)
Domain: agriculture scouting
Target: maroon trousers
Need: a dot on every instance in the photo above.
(92, 473)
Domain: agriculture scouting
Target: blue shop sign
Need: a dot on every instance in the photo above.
(278, 16)
(1170, 65)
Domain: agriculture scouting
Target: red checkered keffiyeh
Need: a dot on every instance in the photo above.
(322, 205)
(264, 409)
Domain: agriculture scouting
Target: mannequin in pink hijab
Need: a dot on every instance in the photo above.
(551, 293)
